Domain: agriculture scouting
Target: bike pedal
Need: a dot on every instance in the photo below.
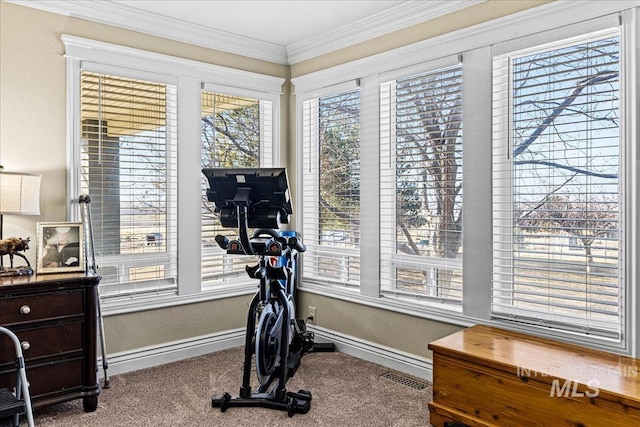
(300, 395)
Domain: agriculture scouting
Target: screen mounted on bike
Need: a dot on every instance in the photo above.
(264, 191)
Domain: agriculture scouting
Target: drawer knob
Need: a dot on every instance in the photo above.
(25, 345)
(25, 309)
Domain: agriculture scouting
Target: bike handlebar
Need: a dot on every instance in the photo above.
(296, 244)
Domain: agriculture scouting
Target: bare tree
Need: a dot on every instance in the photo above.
(339, 191)
(428, 165)
(586, 219)
(230, 137)
(550, 162)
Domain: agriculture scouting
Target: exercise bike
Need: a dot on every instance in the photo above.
(258, 198)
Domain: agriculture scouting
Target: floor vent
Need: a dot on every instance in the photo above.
(409, 382)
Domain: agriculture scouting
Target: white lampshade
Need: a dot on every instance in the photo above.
(19, 193)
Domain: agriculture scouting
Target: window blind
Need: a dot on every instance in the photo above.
(236, 132)
(421, 185)
(331, 188)
(557, 189)
(128, 161)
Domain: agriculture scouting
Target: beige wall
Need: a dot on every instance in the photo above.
(154, 327)
(391, 329)
(33, 139)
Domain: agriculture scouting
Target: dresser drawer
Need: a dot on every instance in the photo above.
(48, 378)
(55, 318)
(29, 308)
(44, 341)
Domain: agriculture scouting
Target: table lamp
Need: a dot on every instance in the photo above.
(19, 195)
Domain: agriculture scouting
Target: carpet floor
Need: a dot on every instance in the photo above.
(346, 392)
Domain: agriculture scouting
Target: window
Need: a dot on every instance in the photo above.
(236, 132)
(132, 116)
(421, 185)
(331, 188)
(128, 161)
(547, 241)
(558, 230)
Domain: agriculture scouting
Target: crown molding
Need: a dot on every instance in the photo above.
(396, 18)
(551, 17)
(129, 18)
(118, 15)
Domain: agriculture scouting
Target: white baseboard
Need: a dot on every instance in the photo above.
(120, 363)
(386, 356)
(147, 357)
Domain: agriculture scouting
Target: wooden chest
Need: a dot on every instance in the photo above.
(486, 376)
(54, 317)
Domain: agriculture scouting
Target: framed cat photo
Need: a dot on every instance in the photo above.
(60, 247)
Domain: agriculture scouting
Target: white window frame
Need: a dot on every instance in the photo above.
(268, 145)
(388, 188)
(504, 169)
(190, 77)
(125, 262)
(478, 44)
(310, 223)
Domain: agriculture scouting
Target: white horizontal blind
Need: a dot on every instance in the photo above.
(331, 188)
(236, 132)
(128, 160)
(557, 189)
(421, 185)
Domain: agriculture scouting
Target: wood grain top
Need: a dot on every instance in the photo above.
(545, 360)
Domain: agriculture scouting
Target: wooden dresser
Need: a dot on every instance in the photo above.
(54, 317)
(485, 376)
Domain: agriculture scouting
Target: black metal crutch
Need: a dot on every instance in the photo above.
(85, 211)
